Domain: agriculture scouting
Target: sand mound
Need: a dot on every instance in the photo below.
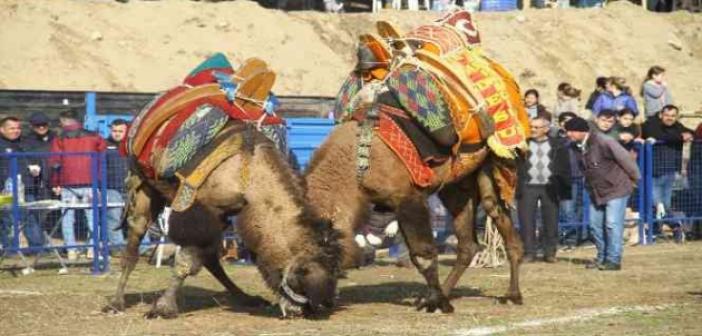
(151, 45)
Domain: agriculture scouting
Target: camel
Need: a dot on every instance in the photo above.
(239, 172)
(340, 186)
(297, 253)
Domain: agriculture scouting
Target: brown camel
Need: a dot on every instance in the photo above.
(338, 194)
(297, 252)
(435, 85)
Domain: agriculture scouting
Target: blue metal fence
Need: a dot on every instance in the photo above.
(655, 160)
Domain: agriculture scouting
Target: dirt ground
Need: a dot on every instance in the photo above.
(151, 45)
(659, 292)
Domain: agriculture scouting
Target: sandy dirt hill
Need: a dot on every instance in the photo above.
(151, 45)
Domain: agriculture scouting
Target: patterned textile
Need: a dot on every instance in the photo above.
(441, 39)
(539, 161)
(157, 123)
(277, 134)
(478, 73)
(228, 143)
(462, 22)
(206, 71)
(418, 92)
(342, 107)
(197, 131)
(422, 175)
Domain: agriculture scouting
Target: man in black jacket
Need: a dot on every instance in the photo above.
(39, 141)
(667, 156)
(11, 142)
(544, 177)
(116, 173)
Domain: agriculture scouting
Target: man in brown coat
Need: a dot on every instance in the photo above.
(610, 177)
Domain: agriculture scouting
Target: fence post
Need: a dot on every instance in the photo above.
(585, 223)
(642, 199)
(90, 120)
(104, 233)
(647, 234)
(15, 202)
(95, 213)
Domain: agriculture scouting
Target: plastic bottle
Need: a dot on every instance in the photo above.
(7, 189)
(20, 189)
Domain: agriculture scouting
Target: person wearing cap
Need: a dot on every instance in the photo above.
(39, 141)
(610, 177)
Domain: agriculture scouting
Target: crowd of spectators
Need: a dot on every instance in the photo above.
(60, 170)
(600, 143)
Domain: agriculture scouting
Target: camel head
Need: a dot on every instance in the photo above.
(309, 282)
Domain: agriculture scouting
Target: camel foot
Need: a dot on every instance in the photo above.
(114, 307)
(432, 301)
(511, 297)
(164, 309)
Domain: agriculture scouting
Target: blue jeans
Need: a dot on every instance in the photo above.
(75, 195)
(114, 232)
(31, 227)
(663, 190)
(607, 226)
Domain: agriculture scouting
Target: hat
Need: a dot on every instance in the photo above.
(566, 115)
(39, 118)
(577, 124)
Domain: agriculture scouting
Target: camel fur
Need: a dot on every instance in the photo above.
(297, 252)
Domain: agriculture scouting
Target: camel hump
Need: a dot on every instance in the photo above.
(249, 67)
(254, 90)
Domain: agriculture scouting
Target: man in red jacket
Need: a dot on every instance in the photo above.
(72, 175)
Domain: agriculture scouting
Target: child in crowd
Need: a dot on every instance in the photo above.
(567, 100)
(629, 132)
(533, 106)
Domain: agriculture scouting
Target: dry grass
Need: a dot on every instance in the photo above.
(659, 292)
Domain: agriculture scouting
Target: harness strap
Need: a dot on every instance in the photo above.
(365, 136)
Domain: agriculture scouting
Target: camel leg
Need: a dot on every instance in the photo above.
(461, 203)
(503, 221)
(413, 217)
(141, 211)
(210, 260)
(188, 262)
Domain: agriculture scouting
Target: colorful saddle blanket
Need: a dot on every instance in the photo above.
(169, 131)
(441, 77)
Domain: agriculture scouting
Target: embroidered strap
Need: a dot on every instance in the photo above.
(185, 195)
(365, 136)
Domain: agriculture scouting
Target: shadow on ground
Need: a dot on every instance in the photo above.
(399, 293)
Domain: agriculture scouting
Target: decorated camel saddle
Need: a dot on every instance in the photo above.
(433, 95)
(185, 132)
